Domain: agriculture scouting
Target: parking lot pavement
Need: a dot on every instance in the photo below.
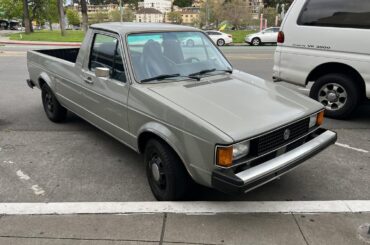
(45, 162)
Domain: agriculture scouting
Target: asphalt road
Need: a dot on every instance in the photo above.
(45, 162)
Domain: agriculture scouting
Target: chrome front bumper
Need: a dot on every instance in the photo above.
(263, 173)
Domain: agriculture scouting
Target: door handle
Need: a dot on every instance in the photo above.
(88, 80)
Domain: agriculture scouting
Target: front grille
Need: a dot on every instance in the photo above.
(276, 139)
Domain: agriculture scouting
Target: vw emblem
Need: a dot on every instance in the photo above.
(286, 134)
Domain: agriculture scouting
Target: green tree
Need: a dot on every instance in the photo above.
(11, 9)
(26, 17)
(51, 11)
(73, 17)
(175, 17)
(183, 3)
(128, 15)
(98, 17)
(61, 17)
(85, 17)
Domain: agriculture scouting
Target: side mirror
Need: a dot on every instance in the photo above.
(102, 72)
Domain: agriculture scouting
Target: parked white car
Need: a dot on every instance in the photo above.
(327, 44)
(268, 35)
(219, 38)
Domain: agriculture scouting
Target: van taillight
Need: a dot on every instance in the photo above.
(281, 37)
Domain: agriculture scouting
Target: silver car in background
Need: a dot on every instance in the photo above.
(268, 35)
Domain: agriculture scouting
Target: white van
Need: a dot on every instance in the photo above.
(327, 42)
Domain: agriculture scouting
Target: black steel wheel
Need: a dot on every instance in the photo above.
(54, 111)
(167, 176)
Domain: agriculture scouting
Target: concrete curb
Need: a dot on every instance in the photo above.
(66, 208)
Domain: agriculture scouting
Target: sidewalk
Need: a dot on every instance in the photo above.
(285, 223)
(286, 229)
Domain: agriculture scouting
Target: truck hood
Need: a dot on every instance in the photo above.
(240, 105)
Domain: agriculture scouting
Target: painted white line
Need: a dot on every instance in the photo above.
(8, 162)
(68, 208)
(37, 190)
(352, 148)
(22, 175)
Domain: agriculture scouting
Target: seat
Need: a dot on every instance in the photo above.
(172, 50)
(153, 61)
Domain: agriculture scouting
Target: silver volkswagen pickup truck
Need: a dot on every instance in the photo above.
(192, 115)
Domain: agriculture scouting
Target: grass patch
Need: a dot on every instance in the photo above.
(239, 35)
(49, 36)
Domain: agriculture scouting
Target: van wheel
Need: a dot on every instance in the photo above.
(165, 171)
(54, 111)
(256, 41)
(338, 93)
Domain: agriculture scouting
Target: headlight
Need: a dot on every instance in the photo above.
(225, 155)
(240, 150)
(316, 119)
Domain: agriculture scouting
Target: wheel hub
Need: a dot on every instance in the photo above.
(155, 172)
(332, 96)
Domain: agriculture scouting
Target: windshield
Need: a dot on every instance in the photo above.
(174, 55)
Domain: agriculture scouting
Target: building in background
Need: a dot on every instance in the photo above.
(149, 15)
(93, 9)
(164, 6)
(189, 15)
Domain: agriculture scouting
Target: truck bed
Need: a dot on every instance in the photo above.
(68, 54)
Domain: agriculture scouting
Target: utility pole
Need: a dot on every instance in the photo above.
(121, 10)
(207, 13)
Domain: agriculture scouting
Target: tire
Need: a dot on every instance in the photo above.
(256, 41)
(338, 93)
(167, 176)
(190, 43)
(54, 111)
(220, 42)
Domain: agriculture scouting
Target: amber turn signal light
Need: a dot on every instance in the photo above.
(320, 118)
(224, 156)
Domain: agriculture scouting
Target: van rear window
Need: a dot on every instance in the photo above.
(336, 13)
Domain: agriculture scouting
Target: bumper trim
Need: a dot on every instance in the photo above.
(261, 174)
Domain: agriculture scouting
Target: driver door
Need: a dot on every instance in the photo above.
(106, 97)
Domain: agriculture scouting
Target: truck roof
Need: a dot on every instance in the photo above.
(132, 27)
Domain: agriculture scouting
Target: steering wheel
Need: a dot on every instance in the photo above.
(190, 60)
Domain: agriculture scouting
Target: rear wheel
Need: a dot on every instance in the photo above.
(338, 93)
(166, 173)
(54, 111)
(256, 41)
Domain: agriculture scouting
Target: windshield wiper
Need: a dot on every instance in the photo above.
(202, 72)
(160, 77)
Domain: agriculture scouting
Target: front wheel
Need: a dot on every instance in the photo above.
(54, 111)
(338, 93)
(220, 42)
(166, 173)
(256, 42)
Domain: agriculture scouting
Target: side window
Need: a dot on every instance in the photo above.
(106, 52)
(268, 30)
(336, 13)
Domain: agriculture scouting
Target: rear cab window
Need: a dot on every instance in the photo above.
(106, 52)
(336, 13)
